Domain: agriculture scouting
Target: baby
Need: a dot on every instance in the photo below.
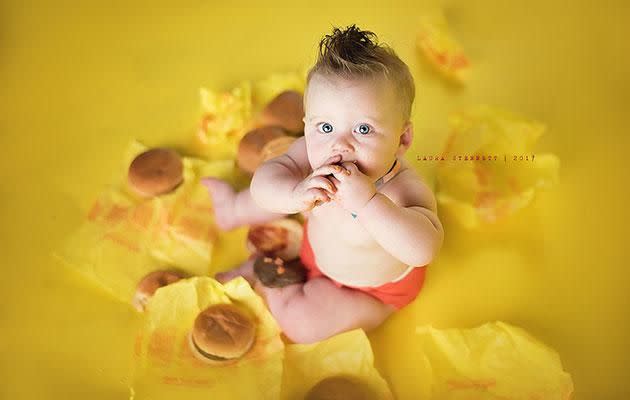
(371, 225)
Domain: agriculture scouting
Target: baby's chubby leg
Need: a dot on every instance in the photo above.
(314, 310)
(318, 309)
(233, 209)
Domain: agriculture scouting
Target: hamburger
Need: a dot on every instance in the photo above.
(275, 272)
(150, 283)
(222, 332)
(155, 172)
(280, 238)
(250, 148)
(286, 110)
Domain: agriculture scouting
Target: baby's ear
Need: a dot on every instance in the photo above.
(406, 137)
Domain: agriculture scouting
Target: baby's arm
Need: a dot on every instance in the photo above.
(404, 221)
(286, 184)
(273, 183)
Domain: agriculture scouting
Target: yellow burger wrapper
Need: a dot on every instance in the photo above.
(489, 170)
(164, 364)
(489, 362)
(225, 118)
(437, 43)
(345, 354)
(124, 236)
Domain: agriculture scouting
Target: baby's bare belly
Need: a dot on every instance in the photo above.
(346, 252)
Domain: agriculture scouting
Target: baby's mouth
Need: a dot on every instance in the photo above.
(357, 165)
(341, 161)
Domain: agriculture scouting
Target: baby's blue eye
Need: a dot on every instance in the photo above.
(326, 127)
(364, 129)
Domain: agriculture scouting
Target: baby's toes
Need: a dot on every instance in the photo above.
(220, 277)
(219, 190)
(226, 276)
(246, 270)
(224, 219)
(249, 274)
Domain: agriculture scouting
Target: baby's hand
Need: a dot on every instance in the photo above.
(316, 188)
(354, 189)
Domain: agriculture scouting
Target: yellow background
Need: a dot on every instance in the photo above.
(77, 82)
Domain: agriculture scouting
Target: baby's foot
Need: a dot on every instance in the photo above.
(223, 201)
(246, 270)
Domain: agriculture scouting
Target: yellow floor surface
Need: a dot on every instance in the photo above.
(78, 80)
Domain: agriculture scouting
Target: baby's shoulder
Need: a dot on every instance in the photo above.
(408, 189)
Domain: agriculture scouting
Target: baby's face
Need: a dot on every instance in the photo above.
(359, 119)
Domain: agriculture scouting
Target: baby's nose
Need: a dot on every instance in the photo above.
(343, 145)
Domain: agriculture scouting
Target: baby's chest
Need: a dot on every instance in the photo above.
(337, 226)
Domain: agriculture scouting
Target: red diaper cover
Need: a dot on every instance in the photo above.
(397, 294)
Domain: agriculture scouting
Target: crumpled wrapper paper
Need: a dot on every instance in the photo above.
(483, 190)
(227, 116)
(489, 362)
(225, 119)
(345, 354)
(165, 367)
(441, 49)
(124, 236)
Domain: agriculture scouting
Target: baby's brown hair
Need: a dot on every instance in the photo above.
(352, 54)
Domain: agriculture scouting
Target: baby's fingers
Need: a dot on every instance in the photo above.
(334, 159)
(321, 182)
(327, 170)
(334, 181)
(316, 196)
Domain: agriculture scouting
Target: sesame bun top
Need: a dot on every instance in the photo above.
(155, 172)
(222, 332)
(250, 148)
(276, 147)
(281, 238)
(285, 110)
(150, 283)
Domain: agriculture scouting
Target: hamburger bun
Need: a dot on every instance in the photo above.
(155, 172)
(250, 148)
(150, 283)
(341, 387)
(285, 110)
(280, 238)
(222, 332)
(275, 272)
(276, 147)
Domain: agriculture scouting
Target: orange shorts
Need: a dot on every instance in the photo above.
(397, 294)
